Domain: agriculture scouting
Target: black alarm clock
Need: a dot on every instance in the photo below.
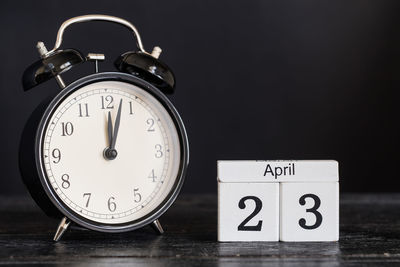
(109, 152)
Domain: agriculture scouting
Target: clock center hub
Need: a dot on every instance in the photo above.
(110, 153)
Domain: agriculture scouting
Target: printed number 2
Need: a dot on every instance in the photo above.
(242, 205)
(318, 216)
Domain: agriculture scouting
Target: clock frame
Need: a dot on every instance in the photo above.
(44, 194)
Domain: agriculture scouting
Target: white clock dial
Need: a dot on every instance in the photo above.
(142, 175)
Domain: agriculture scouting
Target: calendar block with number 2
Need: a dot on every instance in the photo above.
(278, 200)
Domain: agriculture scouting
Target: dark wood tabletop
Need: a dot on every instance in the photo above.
(369, 236)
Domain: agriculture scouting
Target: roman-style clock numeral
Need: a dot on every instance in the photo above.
(150, 123)
(130, 108)
(112, 206)
(159, 152)
(83, 110)
(152, 176)
(65, 181)
(136, 195)
(107, 102)
(56, 153)
(67, 128)
(87, 195)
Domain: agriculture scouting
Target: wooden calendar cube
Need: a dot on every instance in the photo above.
(295, 200)
(309, 211)
(248, 211)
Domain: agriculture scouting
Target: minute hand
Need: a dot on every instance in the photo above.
(116, 125)
(109, 129)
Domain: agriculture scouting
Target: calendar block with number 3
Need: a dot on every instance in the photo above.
(278, 200)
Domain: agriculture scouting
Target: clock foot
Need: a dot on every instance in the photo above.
(62, 227)
(157, 227)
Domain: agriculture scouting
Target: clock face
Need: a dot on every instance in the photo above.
(110, 176)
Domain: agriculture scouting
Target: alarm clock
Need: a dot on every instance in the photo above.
(109, 151)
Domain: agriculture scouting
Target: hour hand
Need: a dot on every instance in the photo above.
(110, 153)
(110, 129)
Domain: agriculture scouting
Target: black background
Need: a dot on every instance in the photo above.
(255, 79)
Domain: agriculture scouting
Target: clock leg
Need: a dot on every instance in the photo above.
(62, 227)
(157, 227)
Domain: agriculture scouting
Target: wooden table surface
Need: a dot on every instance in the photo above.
(369, 235)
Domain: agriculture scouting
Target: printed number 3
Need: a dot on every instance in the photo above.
(318, 216)
(257, 209)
